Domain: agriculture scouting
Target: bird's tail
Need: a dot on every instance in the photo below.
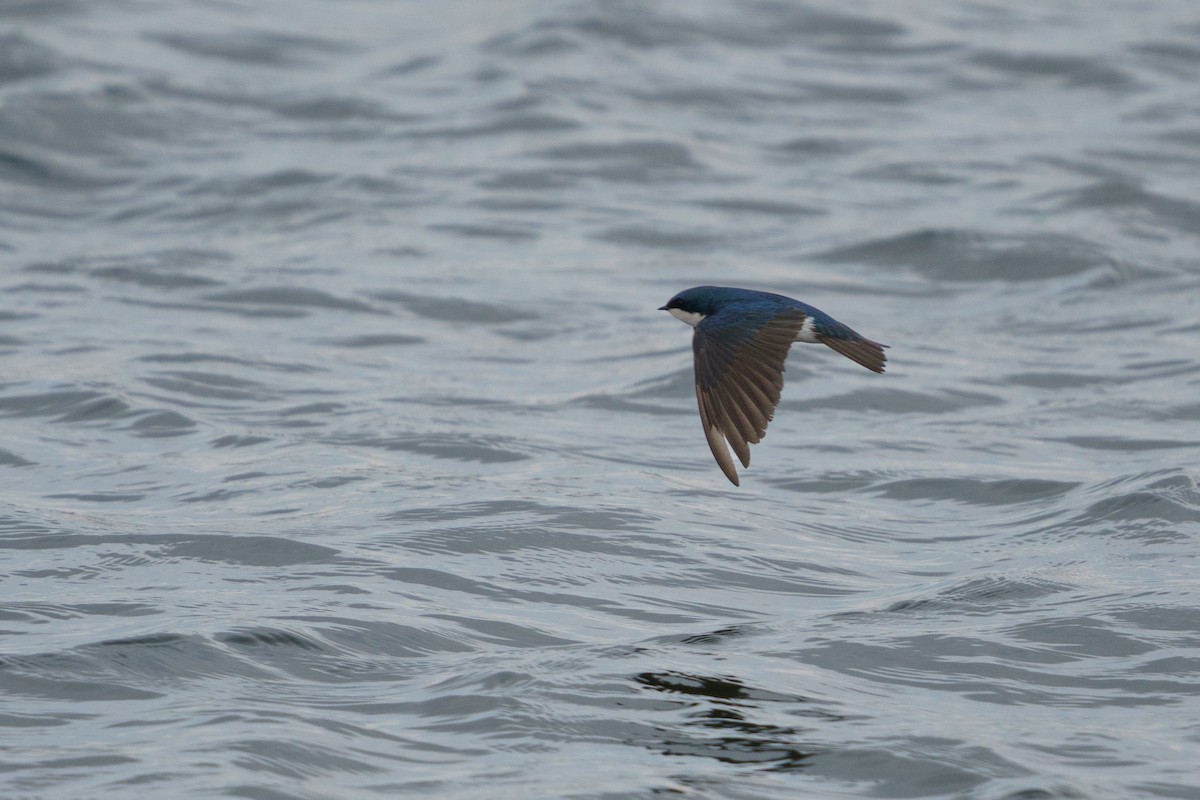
(859, 350)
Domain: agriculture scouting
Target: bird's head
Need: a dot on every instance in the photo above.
(692, 305)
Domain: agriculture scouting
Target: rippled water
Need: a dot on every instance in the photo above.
(344, 453)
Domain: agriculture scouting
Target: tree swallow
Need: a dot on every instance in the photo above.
(741, 340)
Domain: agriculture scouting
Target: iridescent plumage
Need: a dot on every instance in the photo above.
(741, 341)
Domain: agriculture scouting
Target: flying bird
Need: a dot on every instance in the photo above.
(740, 342)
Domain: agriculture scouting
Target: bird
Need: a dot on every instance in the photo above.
(741, 339)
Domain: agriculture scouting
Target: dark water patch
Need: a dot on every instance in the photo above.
(1080, 71)
(210, 386)
(1026, 670)
(456, 309)
(925, 174)
(1082, 636)
(1056, 380)
(1126, 444)
(240, 441)
(292, 760)
(659, 237)
(1164, 618)
(809, 147)
(504, 525)
(518, 204)
(532, 333)
(292, 297)
(770, 24)
(331, 483)
(918, 766)
(896, 401)
(505, 634)
(511, 592)
(166, 269)
(976, 491)
(1155, 505)
(984, 595)
(45, 173)
(313, 409)
(256, 311)
(830, 483)
(256, 551)
(1181, 54)
(803, 586)
(162, 423)
(331, 108)
(215, 358)
(722, 723)
(412, 65)
(964, 255)
(45, 288)
(262, 184)
(36, 612)
(256, 48)
(527, 180)
(507, 232)
(517, 536)
(33, 9)
(647, 153)
(110, 122)
(713, 687)
(854, 94)
(391, 639)
(1186, 412)
(268, 638)
(133, 667)
(10, 459)
(151, 278)
(730, 101)
(627, 519)
(454, 446)
(634, 161)
(66, 405)
(609, 402)
(523, 123)
(1175, 212)
(98, 497)
(1141, 508)
(767, 208)
(22, 58)
(311, 106)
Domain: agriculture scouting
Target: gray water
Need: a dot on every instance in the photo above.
(345, 455)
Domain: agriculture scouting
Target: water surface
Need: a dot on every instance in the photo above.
(344, 453)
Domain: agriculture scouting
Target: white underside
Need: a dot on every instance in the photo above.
(690, 317)
(807, 332)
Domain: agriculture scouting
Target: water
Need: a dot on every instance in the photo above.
(344, 453)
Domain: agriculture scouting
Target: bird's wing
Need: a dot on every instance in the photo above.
(739, 357)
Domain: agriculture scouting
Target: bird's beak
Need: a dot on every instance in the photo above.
(662, 308)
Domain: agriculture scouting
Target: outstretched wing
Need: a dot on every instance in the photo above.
(739, 356)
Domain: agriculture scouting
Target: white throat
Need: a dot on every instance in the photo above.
(690, 317)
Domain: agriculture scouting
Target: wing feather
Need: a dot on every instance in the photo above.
(739, 378)
(716, 441)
